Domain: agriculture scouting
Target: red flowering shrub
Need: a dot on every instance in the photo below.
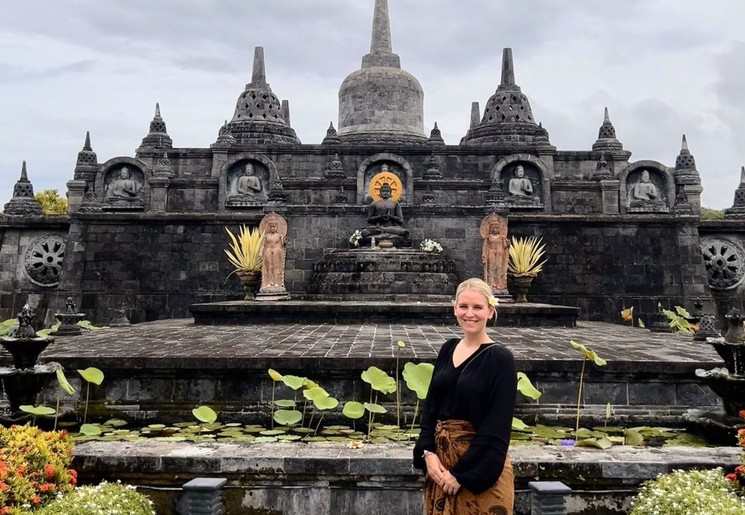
(34, 467)
(738, 475)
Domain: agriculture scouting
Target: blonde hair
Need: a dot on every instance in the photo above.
(477, 285)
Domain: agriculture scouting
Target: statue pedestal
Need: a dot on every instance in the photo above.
(383, 272)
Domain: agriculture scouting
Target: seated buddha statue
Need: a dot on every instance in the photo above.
(385, 218)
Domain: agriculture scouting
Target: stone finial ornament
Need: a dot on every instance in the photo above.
(157, 138)
(332, 138)
(86, 165)
(685, 172)
(602, 171)
(435, 137)
(433, 170)
(335, 169)
(23, 201)
(259, 116)
(738, 207)
(607, 140)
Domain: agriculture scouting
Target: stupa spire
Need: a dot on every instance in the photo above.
(23, 201)
(381, 50)
(87, 144)
(508, 68)
(380, 41)
(737, 211)
(607, 140)
(24, 174)
(475, 114)
(157, 137)
(87, 163)
(684, 144)
(259, 71)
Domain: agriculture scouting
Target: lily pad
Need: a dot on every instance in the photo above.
(90, 429)
(92, 375)
(353, 410)
(204, 414)
(287, 417)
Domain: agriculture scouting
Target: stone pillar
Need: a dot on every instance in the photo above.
(693, 193)
(75, 193)
(547, 497)
(202, 496)
(159, 193)
(610, 191)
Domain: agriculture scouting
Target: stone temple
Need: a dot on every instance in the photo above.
(145, 233)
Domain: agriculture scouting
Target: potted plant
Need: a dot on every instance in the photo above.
(245, 255)
(525, 263)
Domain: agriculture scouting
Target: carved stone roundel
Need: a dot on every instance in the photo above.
(725, 263)
(44, 257)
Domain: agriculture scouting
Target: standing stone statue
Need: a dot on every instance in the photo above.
(273, 253)
(495, 252)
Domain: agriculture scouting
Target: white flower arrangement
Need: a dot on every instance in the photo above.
(430, 246)
(355, 238)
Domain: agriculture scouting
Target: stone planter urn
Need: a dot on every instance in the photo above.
(250, 280)
(522, 285)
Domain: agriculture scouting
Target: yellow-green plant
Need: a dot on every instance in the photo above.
(51, 202)
(525, 256)
(590, 355)
(244, 250)
(34, 467)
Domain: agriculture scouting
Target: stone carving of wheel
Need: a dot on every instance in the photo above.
(725, 263)
(44, 257)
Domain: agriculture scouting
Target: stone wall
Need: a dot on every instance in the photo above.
(155, 266)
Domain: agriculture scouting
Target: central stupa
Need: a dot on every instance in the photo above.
(381, 103)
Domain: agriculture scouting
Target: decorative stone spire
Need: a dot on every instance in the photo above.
(681, 204)
(286, 111)
(602, 171)
(23, 201)
(224, 137)
(335, 169)
(394, 113)
(87, 163)
(508, 117)
(158, 138)
(607, 141)
(435, 137)
(90, 203)
(433, 170)
(259, 116)
(685, 166)
(163, 167)
(331, 137)
(475, 114)
(738, 208)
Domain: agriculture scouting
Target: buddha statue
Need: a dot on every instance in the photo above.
(385, 218)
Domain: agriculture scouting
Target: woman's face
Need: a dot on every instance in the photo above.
(473, 311)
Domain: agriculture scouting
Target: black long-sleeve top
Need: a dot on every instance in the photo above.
(481, 390)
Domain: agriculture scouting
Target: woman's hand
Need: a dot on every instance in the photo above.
(449, 484)
(435, 469)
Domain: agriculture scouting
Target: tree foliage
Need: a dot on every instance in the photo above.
(51, 202)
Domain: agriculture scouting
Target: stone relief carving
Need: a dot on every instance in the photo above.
(246, 186)
(43, 260)
(724, 261)
(123, 189)
(645, 194)
(522, 184)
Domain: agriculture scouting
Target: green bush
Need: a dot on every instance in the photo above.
(699, 492)
(109, 498)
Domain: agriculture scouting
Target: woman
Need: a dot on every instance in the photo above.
(467, 416)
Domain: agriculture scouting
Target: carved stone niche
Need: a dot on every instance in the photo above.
(522, 184)
(646, 191)
(123, 186)
(248, 184)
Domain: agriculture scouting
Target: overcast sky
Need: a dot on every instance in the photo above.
(662, 67)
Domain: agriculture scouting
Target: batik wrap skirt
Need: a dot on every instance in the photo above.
(452, 438)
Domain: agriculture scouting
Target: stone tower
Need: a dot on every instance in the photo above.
(381, 102)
